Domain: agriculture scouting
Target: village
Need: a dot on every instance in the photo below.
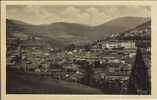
(106, 64)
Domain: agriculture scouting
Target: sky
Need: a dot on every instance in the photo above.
(89, 14)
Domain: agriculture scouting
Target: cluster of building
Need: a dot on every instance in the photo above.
(105, 65)
(105, 61)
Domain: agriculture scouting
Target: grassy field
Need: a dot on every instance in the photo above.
(24, 84)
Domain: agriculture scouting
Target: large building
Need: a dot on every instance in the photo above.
(118, 44)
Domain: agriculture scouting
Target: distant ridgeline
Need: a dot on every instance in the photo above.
(141, 32)
(61, 34)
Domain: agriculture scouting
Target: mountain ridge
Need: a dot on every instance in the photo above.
(74, 32)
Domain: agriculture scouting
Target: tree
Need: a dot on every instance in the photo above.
(88, 78)
(139, 79)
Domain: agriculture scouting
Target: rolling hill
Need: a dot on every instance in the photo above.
(141, 32)
(68, 33)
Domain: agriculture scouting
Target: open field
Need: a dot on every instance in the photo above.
(45, 85)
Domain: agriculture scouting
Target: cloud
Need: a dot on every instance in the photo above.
(91, 15)
(97, 16)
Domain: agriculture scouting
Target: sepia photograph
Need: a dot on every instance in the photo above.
(78, 49)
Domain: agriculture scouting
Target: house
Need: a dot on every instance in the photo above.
(128, 44)
(132, 54)
(69, 52)
(71, 67)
